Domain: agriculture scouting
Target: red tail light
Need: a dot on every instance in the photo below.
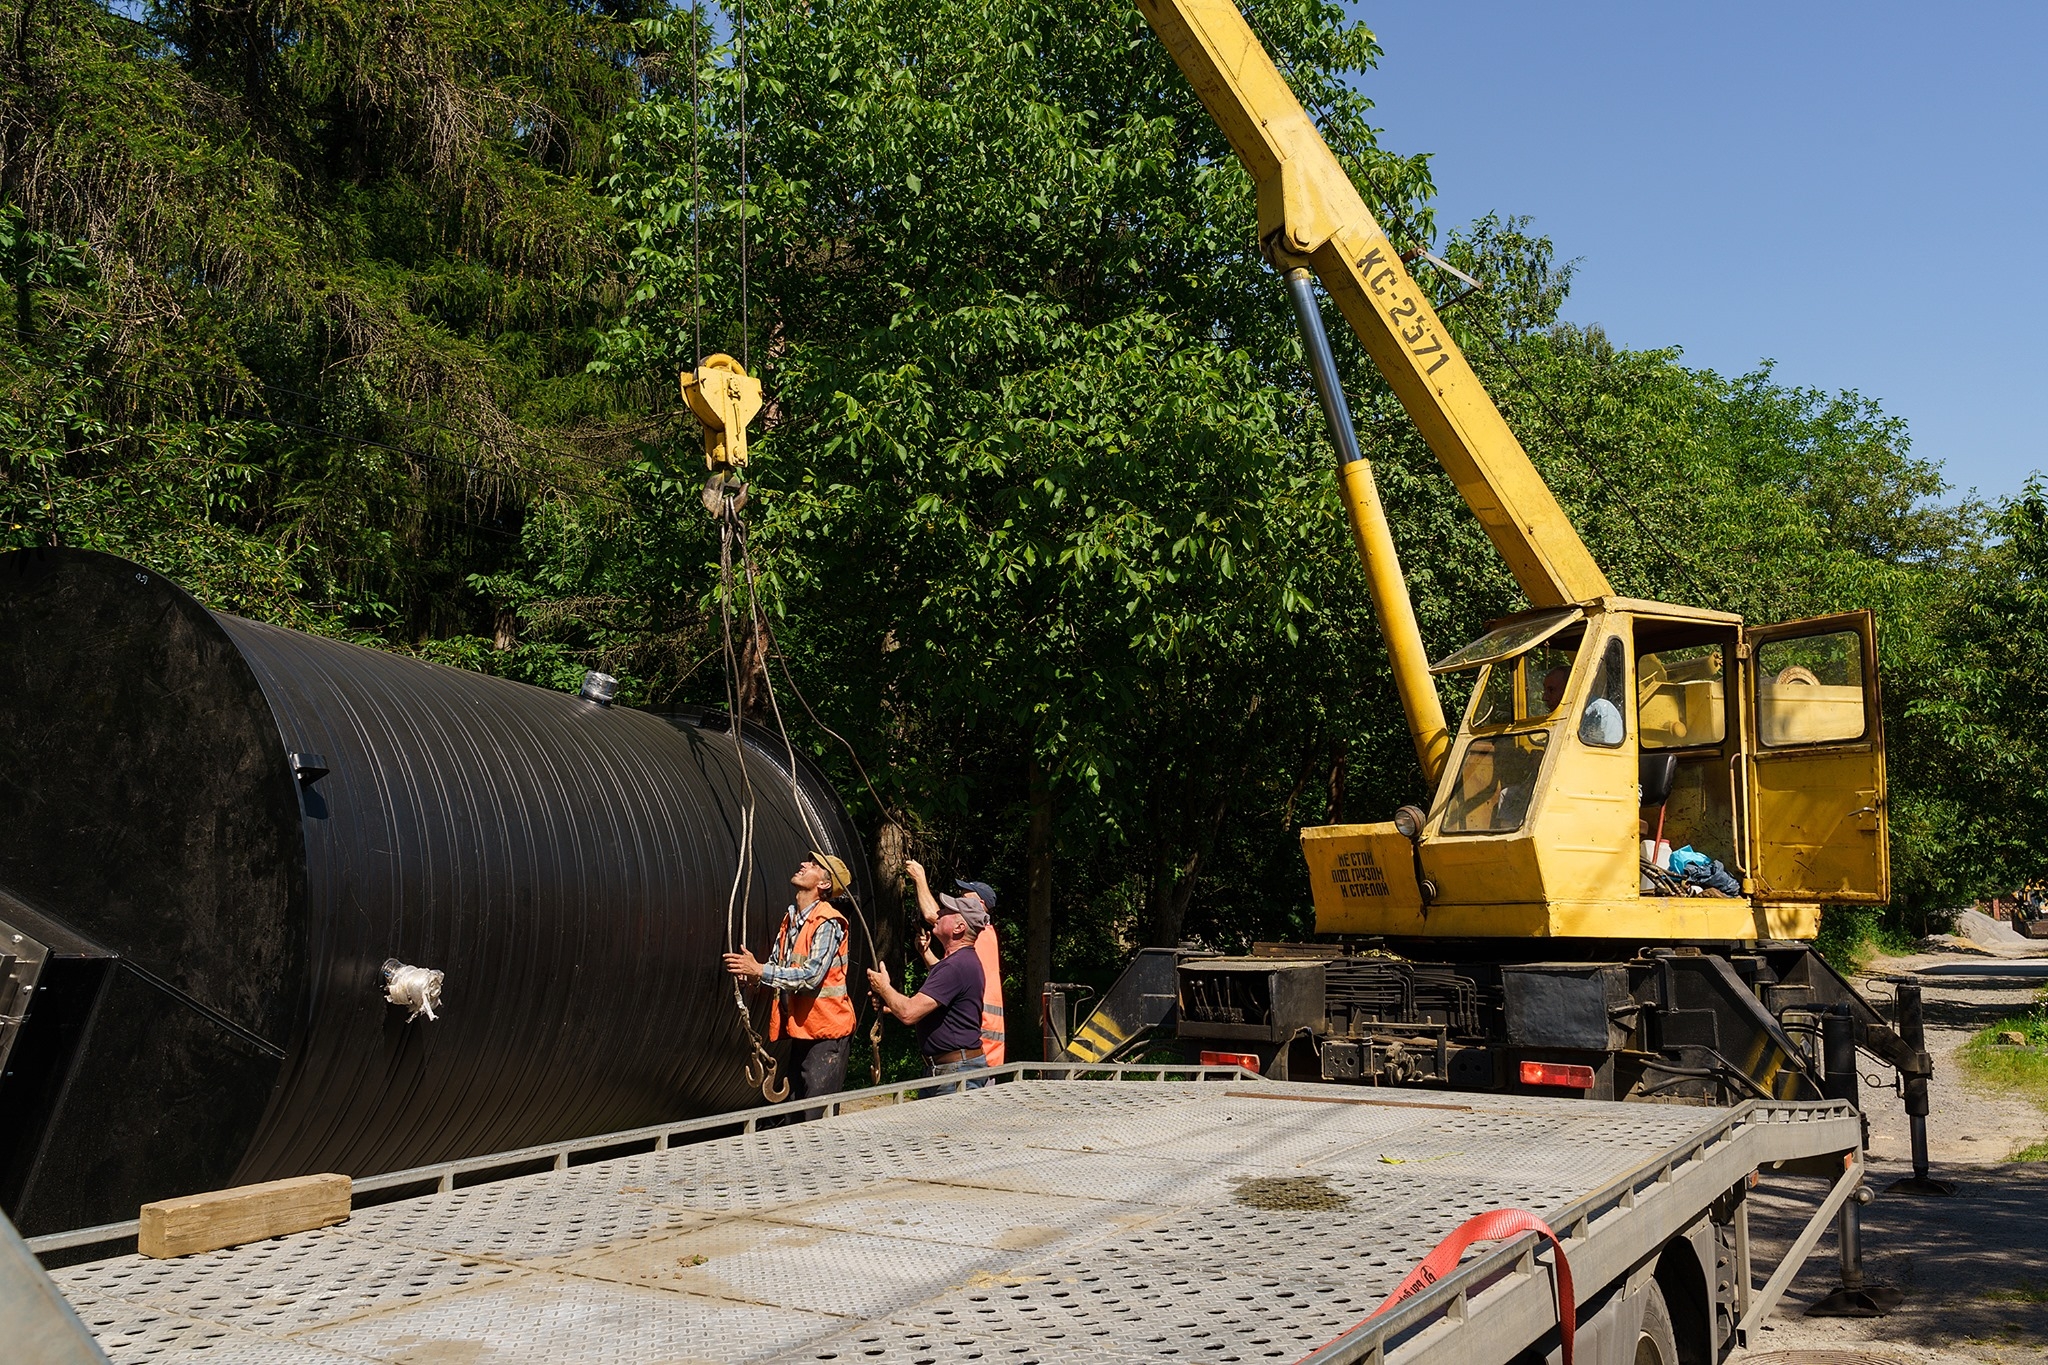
(1564, 1074)
(1248, 1060)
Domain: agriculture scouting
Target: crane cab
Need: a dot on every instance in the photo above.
(1586, 730)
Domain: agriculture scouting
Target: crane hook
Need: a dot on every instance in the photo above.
(761, 1072)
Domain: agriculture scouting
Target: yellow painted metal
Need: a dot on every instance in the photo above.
(1674, 919)
(1311, 215)
(1396, 613)
(725, 398)
(1096, 1039)
(1818, 817)
(1361, 873)
(1570, 870)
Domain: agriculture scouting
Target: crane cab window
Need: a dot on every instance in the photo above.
(1809, 689)
(1515, 705)
(1528, 687)
(1682, 697)
(1495, 781)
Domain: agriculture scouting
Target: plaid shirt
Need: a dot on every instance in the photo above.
(780, 974)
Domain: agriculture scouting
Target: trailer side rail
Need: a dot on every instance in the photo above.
(1508, 1295)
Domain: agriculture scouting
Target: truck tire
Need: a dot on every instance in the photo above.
(1656, 1339)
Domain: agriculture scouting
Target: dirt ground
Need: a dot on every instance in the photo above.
(1974, 1269)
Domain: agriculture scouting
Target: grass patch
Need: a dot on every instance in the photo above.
(2028, 1291)
(2021, 1070)
(1850, 937)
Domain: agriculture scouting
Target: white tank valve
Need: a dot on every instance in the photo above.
(417, 988)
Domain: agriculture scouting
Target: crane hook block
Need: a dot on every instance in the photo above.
(725, 398)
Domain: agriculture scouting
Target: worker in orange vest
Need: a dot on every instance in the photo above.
(807, 971)
(984, 948)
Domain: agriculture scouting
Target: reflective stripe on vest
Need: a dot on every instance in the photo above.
(826, 1012)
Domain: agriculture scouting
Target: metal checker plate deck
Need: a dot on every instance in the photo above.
(1041, 1221)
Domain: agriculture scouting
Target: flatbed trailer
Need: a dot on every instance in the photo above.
(1059, 1214)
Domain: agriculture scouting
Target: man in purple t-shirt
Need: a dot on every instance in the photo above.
(946, 1011)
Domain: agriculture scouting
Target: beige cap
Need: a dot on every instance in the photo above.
(842, 880)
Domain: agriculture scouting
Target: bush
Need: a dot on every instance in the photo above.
(1850, 936)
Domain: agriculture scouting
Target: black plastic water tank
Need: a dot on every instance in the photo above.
(220, 830)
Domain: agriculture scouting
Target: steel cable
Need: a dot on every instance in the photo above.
(761, 1067)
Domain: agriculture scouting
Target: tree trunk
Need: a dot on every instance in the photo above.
(1173, 884)
(753, 689)
(1160, 929)
(1038, 920)
(885, 917)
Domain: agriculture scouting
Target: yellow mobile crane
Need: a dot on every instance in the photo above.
(1776, 730)
(1598, 728)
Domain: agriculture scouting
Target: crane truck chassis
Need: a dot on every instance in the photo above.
(1059, 1214)
(1690, 1025)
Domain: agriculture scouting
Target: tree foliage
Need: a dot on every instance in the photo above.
(324, 276)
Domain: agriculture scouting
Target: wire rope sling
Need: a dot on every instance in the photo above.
(725, 398)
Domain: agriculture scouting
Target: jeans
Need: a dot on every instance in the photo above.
(817, 1066)
(978, 1062)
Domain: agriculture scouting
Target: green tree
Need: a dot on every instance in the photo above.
(1984, 778)
(367, 318)
(1049, 509)
(356, 252)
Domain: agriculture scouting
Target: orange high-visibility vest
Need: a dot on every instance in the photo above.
(991, 996)
(826, 1012)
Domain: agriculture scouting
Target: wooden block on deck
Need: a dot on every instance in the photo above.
(247, 1213)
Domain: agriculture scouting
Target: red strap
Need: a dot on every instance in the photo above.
(1496, 1226)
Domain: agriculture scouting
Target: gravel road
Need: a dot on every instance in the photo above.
(1974, 1268)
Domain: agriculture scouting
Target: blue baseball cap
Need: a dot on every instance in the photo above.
(981, 889)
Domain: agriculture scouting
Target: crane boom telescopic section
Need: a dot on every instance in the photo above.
(1311, 215)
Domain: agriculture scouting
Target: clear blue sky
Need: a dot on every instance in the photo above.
(1857, 191)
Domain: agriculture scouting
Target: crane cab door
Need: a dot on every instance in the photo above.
(1815, 740)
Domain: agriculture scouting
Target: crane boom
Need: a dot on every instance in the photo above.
(1311, 215)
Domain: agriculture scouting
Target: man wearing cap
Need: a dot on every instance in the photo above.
(985, 948)
(807, 972)
(946, 1011)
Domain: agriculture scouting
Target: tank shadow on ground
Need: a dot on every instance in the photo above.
(1969, 1014)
